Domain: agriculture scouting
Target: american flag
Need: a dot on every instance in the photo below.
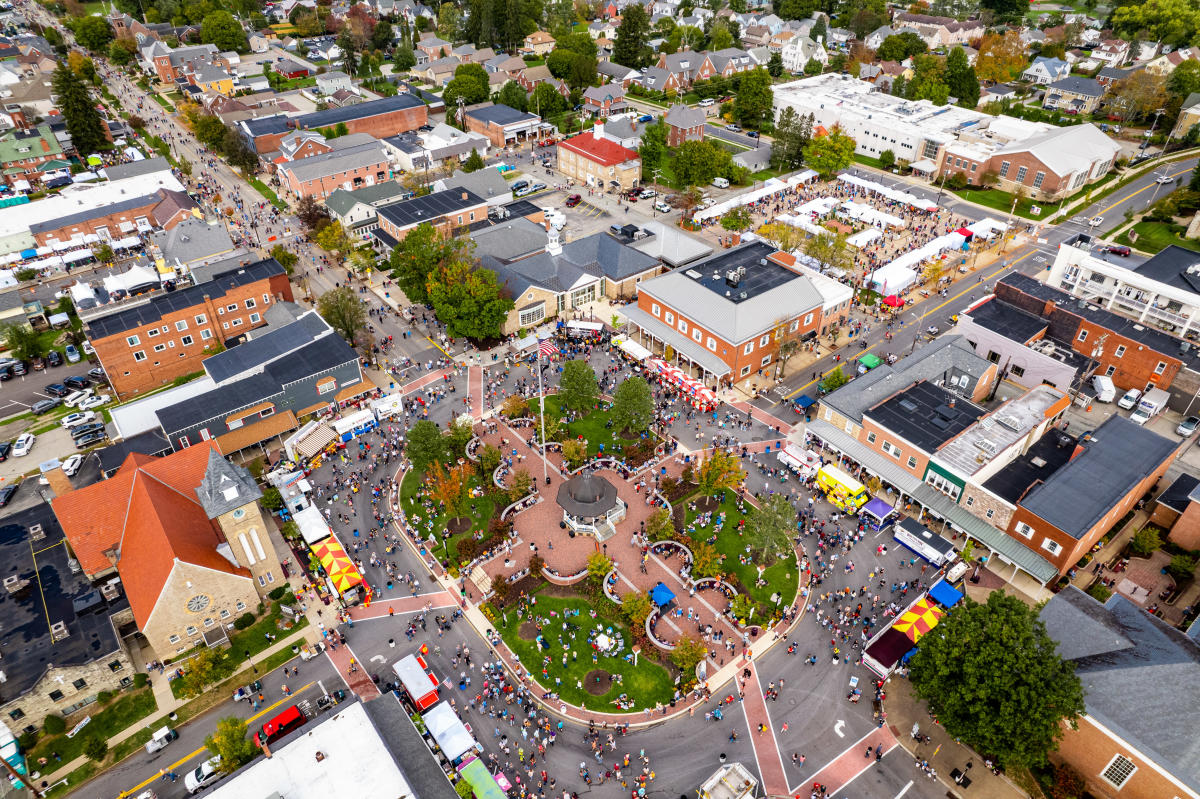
(547, 348)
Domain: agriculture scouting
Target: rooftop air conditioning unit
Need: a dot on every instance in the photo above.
(987, 445)
(36, 532)
(59, 631)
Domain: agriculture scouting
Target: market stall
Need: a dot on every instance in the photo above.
(342, 575)
(452, 736)
(877, 514)
(801, 461)
(420, 685)
(914, 536)
(483, 784)
(922, 617)
(631, 348)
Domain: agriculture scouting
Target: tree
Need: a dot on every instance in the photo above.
(630, 48)
(1006, 10)
(1001, 58)
(201, 670)
(813, 67)
(831, 153)
(450, 486)
(887, 159)
(93, 33)
(706, 560)
(687, 654)
(782, 235)
(961, 79)
(991, 675)
(1139, 95)
(574, 452)
(474, 162)
(417, 255)
(345, 43)
(122, 51)
(425, 444)
(286, 258)
(775, 65)
(1146, 541)
(546, 101)
(311, 215)
(835, 380)
(1174, 22)
(449, 21)
(344, 312)
(87, 129)
(770, 529)
(469, 301)
(900, 46)
(577, 387)
(237, 152)
(221, 29)
(633, 407)
(1185, 79)
(334, 238)
(717, 472)
(382, 35)
(787, 339)
(404, 59)
(230, 742)
(719, 36)
(698, 162)
(635, 607)
(95, 748)
(470, 82)
(512, 95)
(598, 567)
(1194, 183)
(271, 499)
(737, 219)
(659, 526)
(754, 99)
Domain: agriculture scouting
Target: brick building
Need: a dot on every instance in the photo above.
(163, 209)
(353, 162)
(599, 162)
(379, 118)
(725, 324)
(148, 342)
(447, 211)
(1141, 682)
(25, 154)
(502, 125)
(1177, 510)
(684, 123)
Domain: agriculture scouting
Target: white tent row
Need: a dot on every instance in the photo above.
(987, 227)
(807, 176)
(11, 258)
(137, 277)
(865, 213)
(631, 348)
(819, 206)
(801, 222)
(912, 258)
(45, 263)
(864, 237)
(890, 193)
(78, 255)
(769, 189)
(893, 278)
(127, 243)
(7, 278)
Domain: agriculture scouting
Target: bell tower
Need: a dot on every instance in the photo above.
(230, 497)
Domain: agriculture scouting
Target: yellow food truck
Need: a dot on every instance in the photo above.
(841, 489)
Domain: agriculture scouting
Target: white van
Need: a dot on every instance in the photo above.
(706, 102)
(1105, 390)
(720, 183)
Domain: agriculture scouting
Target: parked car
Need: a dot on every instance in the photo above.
(1159, 179)
(45, 406)
(23, 444)
(6, 493)
(97, 375)
(647, 194)
(6, 373)
(77, 397)
(77, 382)
(72, 353)
(1188, 426)
(1118, 249)
(91, 439)
(94, 402)
(86, 429)
(5, 450)
(55, 358)
(1096, 221)
(734, 128)
(646, 118)
(88, 349)
(38, 363)
(662, 207)
(76, 419)
(752, 134)
(1130, 400)
(70, 466)
(161, 737)
(20, 369)
(538, 187)
(57, 390)
(523, 191)
(573, 201)
(203, 775)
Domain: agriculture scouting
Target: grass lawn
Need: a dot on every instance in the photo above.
(591, 427)
(645, 685)
(484, 508)
(158, 98)
(252, 639)
(782, 576)
(1155, 236)
(127, 708)
(267, 193)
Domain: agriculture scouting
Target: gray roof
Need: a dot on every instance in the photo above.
(1192, 100)
(192, 240)
(486, 183)
(332, 116)
(421, 770)
(342, 201)
(682, 116)
(500, 114)
(610, 91)
(225, 486)
(1074, 84)
(509, 240)
(1118, 455)
(369, 153)
(587, 495)
(1141, 677)
(279, 338)
(950, 356)
(146, 166)
(595, 255)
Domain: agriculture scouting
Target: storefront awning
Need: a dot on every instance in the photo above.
(708, 361)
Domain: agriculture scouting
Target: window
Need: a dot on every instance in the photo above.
(765, 340)
(697, 335)
(262, 580)
(1083, 335)
(1004, 169)
(1017, 371)
(56, 696)
(236, 323)
(181, 326)
(186, 341)
(1024, 529)
(947, 487)
(871, 438)
(159, 347)
(749, 348)
(152, 333)
(682, 326)
(1037, 179)
(654, 309)
(224, 614)
(133, 341)
(711, 343)
(250, 303)
(140, 355)
(669, 318)
(993, 356)
(745, 371)
(970, 501)
(990, 513)
(241, 605)
(192, 630)
(1051, 546)
(16, 713)
(531, 316)
(1118, 771)
(80, 684)
(891, 449)
(254, 318)
(201, 319)
(766, 360)
(327, 385)
(205, 335)
(1162, 367)
(234, 424)
(209, 622)
(1021, 173)
(220, 312)
(231, 307)
(1120, 351)
(912, 462)
(265, 412)
(115, 665)
(808, 319)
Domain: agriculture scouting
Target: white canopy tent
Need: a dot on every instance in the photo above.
(135, 278)
(987, 227)
(632, 348)
(864, 237)
(892, 279)
(890, 193)
(452, 736)
(865, 213)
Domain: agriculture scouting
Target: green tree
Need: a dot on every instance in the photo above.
(122, 51)
(598, 567)
(470, 82)
(474, 162)
(93, 33)
(754, 99)
(577, 388)
(470, 301)
(686, 655)
(813, 67)
(991, 675)
(546, 101)
(718, 472)
(887, 159)
(1006, 10)
(929, 81)
(653, 147)
(344, 312)
(737, 219)
(633, 407)
(417, 255)
(334, 238)
(769, 530)
(659, 526)
(382, 35)
(449, 21)
(271, 499)
(1146, 541)
(698, 162)
(230, 742)
(345, 43)
(404, 59)
(220, 28)
(425, 444)
(1194, 183)
(1185, 79)
(719, 36)
(201, 670)
(237, 152)
(78, 109)
(900, 46)
(95, 747)
(630, 48)
(286, 258)
(835, 380)
(831, 153)
(706, 560)
(960, 78)
(775, 66)
(512, 95)
(635, 607)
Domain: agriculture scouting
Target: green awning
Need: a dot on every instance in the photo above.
(870, 360)
(482, 783)
(50, 166)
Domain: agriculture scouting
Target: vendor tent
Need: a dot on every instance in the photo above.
(922, 617)
(483, 785)
(878, 509)
(447, 729)
(885, 651)
(343, 575)
(312, 525)
(945, 594)
(631, 348)
(660, 595)
(419, 684)
(893, 278)
(870, 360)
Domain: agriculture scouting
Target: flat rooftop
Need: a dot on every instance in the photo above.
(759, 276)
(1009, 424)
(1176, 266)
(1008, 320)
(926, 415)
(1048, 454)
(55, 593)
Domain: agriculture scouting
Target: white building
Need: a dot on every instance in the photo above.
(799, 50)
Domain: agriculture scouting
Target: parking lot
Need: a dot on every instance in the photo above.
(582, 220)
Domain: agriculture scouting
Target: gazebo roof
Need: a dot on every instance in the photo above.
(587, 494)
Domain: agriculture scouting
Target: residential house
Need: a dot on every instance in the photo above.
(169, 64)
(501, 124)
(532, 76)
(612, 72)
(1046, 70)
(799, 51)
(598, 162)
(356, 209)
(291, 69)
(1165, 64)
(726, 63)
(506, 65)
(211, 80)
(601, 101)
(1074, 94)
(25, 154)
(623, 129)
(1189, 115)
(684, 123)
(756, 35)
(1107, 76)
(352, 162)
(539, 43)
(1113, 52)
(437, 71)
(190, 245)
(432, 47)
(331, 82)
(681, 67)
(941, 31)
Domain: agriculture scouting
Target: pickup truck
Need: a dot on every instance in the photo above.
(310, 651)
(247, 692)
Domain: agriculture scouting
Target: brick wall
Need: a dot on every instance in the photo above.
(1090, 749)
(105, 673)
(677, 136)
(183, 350)
(910, 458)
(320, 188)
(1186, 530)
(979, 501)
(110, 222)
(172, 618)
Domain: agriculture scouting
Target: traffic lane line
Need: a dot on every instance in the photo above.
(933, 310)
(1130, 196)
(439, 346)
(204, 749)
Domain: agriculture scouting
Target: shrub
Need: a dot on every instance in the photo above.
(244, 621)
(140, 680)
(1145, 542)
(278, 591)
(27, 740)
(1099, 592)
(1181, 567)
(104, 696)
(95, 748)
(54, 724)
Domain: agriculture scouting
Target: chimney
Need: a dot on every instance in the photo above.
(464, 195)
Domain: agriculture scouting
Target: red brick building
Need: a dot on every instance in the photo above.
(684, 124)
(164, 209)
(382, 118)
(148, 342)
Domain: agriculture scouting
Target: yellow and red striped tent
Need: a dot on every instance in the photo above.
(919, 619)
(338, 565)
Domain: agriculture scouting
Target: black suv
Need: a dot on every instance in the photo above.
(77, 383)
(86, 429)
(5, 450)
(55, 358)
(57, 390)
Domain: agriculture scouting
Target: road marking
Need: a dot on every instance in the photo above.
(837, 728)
(935, 309)
(904, 790)
(1139, 191)
(439, 346)
(204, 749)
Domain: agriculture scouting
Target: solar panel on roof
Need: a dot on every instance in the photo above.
(908, 405)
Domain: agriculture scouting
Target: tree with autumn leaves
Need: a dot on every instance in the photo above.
(1001, 57)
(451, 487)
(717, 472)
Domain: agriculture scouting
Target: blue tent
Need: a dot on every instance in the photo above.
(660, 595)
(945, 594)
(803, 402)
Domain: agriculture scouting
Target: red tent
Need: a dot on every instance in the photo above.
(893, 301)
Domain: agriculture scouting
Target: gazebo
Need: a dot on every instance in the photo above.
(590, 505)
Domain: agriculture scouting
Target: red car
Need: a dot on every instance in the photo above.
(573, 201)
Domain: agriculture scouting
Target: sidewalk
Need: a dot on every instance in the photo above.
(904, 709)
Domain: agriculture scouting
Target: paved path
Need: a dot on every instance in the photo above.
(766, 747)
(359, 680)
(407, 604)
(843, 769)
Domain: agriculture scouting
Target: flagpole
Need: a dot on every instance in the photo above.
(542, 405)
